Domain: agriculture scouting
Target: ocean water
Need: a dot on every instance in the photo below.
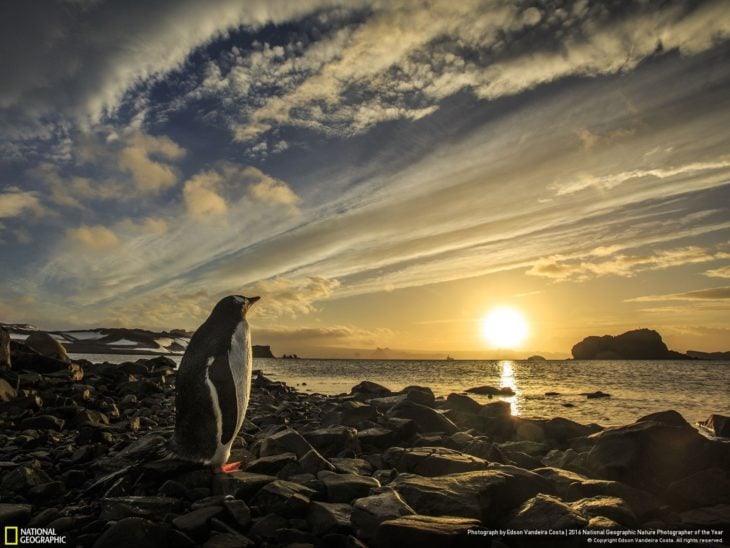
(696, 389)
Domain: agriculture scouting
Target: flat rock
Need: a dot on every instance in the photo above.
(313, 462)
(369, 512)
(346, 487)
(546, 512)
(432, 461)
(22, 479)
(348, 465)
(718, 516)
(116, 508)
(271, 464)
(377, 436)
(243, 485)
(491, 391)
(142, 533)
(43, 422)
(463, 403)
(268, 526)
(371, 389)
(641, 503)
(285, 498)
(486, 494)
(228, 540)
(426, 531)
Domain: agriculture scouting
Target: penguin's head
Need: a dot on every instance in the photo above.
(234, 307)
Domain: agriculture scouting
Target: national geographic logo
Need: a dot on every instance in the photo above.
(21, 536)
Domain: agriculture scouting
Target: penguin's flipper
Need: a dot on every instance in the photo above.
(221, 376)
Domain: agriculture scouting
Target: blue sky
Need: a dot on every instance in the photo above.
(381, 172)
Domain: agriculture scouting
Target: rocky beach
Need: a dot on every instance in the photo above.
(80, 448)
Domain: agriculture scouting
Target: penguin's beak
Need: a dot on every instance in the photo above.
(252, 300)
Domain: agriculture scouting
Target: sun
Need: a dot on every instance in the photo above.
(504, 327)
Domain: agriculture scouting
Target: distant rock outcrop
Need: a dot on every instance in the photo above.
(262, 351)
(536, 358)
(640, 344)
(708, 355)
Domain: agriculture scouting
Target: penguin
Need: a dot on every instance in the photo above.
(213, 386)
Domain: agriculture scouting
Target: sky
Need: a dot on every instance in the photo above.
(381, 173)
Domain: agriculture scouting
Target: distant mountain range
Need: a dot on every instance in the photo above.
(120, 340)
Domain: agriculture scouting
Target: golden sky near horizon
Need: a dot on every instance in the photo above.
(383, 174)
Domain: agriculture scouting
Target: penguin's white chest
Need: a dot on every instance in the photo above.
(241, 363)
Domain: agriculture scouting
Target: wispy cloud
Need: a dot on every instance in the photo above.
(560, 268)
(722, 272)
(15, 202)
(710, 294)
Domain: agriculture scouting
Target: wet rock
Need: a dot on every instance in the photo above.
(546, 512)
(717, 425)
(285, 441)
(465, 404)
(326, 517)
(595, 395)
(432, 461)
(333, 439)
(14, 514)
(43, 422)
(421, 395)
(116, 508)
(612, 508)
(43, 518)
(486, 494)
(706, 488)
(346, 487)
(426, 531)
(560, 479)
(243, 485)
(371, 389)
(385, 403)
(491, 391)
(195, 524)
(425, 418)
(284, 498)
(141, 533)
(272, 464)
(369, 512)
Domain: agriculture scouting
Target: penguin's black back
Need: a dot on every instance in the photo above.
(193, 401)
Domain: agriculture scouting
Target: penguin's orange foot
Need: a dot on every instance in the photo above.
(230, 467)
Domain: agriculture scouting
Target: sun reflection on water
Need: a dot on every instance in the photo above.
(507, 379)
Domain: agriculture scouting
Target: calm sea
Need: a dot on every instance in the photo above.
(694, 388)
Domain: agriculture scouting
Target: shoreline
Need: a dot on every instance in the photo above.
(373, 467)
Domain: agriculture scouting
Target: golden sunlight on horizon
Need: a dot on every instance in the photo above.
(505, 327)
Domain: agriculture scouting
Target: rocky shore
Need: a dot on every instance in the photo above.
(79, 454)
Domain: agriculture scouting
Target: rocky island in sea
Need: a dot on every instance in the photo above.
(369, 468)
(639, 344)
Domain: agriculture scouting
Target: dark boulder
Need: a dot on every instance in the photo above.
(5, 362)
(46, 345)
(371, 390)
(369, 512)
(650, 454)
(544, 512)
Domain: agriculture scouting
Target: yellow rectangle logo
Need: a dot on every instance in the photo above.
(10, 534)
